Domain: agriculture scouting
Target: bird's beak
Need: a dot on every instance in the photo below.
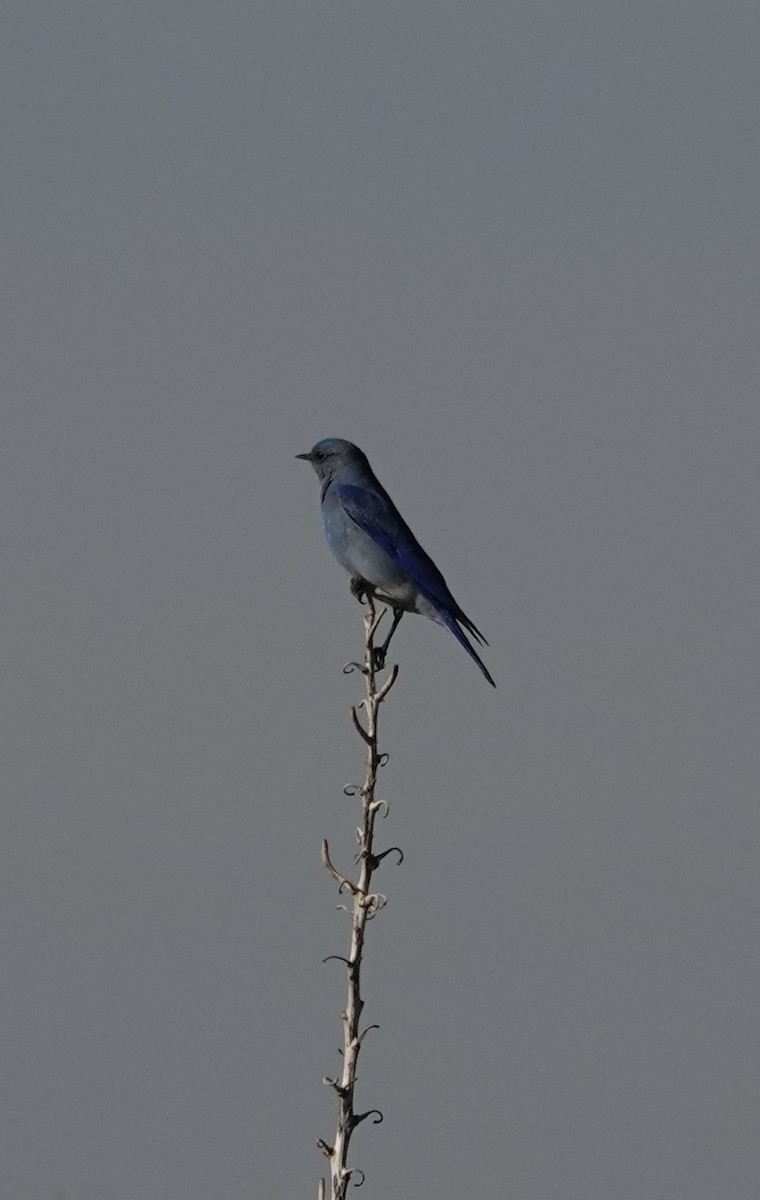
(306, 456)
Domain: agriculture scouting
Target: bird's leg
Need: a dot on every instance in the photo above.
(380, 652)
(365, 594)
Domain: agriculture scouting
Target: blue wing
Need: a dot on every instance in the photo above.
(376, 514)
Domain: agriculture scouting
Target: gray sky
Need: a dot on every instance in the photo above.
(512, 251)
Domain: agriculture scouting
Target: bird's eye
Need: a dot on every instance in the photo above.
(319, 455)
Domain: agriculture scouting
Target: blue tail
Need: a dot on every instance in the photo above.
(451, 623)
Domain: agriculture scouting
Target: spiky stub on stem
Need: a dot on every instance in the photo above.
(365, 904)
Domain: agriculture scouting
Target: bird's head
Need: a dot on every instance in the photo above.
(332, 455)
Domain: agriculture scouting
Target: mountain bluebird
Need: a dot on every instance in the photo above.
(370, 538)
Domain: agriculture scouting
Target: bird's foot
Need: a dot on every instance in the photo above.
(360, 589)
(378, 657)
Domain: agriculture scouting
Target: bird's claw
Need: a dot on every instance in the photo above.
(378, 657)
(359, 589)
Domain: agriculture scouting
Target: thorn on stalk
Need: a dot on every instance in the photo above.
(350, 667)
(386, 687)
(342, 880)
(376, 859)
(375, 904)
(372, 1112)
(363, 733)
(337, 1087)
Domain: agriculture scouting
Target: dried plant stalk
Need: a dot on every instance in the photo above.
(365, 904)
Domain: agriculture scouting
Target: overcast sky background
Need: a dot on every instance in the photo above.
(512, 251)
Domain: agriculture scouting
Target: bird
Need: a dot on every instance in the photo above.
(373, 542)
